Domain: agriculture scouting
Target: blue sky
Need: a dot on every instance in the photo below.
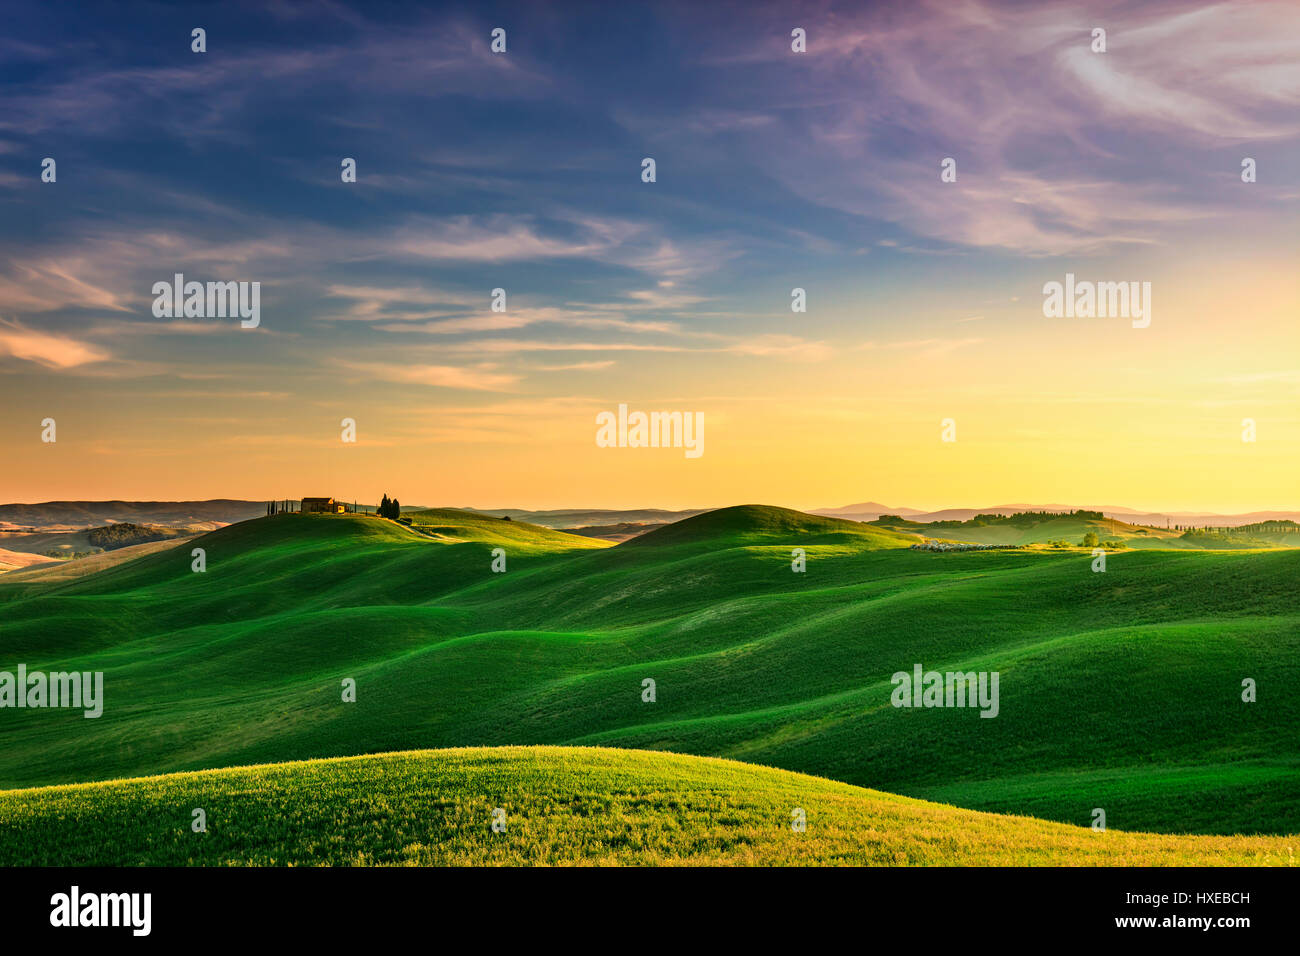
(522, 170)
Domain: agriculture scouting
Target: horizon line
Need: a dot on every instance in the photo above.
(883, 509)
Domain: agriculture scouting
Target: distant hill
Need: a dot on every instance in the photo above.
(66, 515)
(21, 549)
(1032, 527)
(53, 570)
(615, 532)
(871, 511)
(15, 560)
(1045, 527)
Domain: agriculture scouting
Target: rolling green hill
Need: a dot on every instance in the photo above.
(1119, 690)
(763, 524)
(558, 806)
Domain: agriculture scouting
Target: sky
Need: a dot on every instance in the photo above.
(775, 170)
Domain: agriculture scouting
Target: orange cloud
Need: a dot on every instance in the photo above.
(52, 351)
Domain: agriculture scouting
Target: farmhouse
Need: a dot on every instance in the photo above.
(323, 506)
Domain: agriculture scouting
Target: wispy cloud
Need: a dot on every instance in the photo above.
(927, 347)
(1016, 95)
(442, 376)
(51, 351)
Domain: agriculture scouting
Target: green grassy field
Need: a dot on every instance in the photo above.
(1119, 690)
(561, 806)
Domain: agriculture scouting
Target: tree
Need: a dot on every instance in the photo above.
(1090, 539)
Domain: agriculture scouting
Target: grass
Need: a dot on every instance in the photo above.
(1120, 690)
(562, 806)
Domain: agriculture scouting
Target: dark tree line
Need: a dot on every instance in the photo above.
(390, 508)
